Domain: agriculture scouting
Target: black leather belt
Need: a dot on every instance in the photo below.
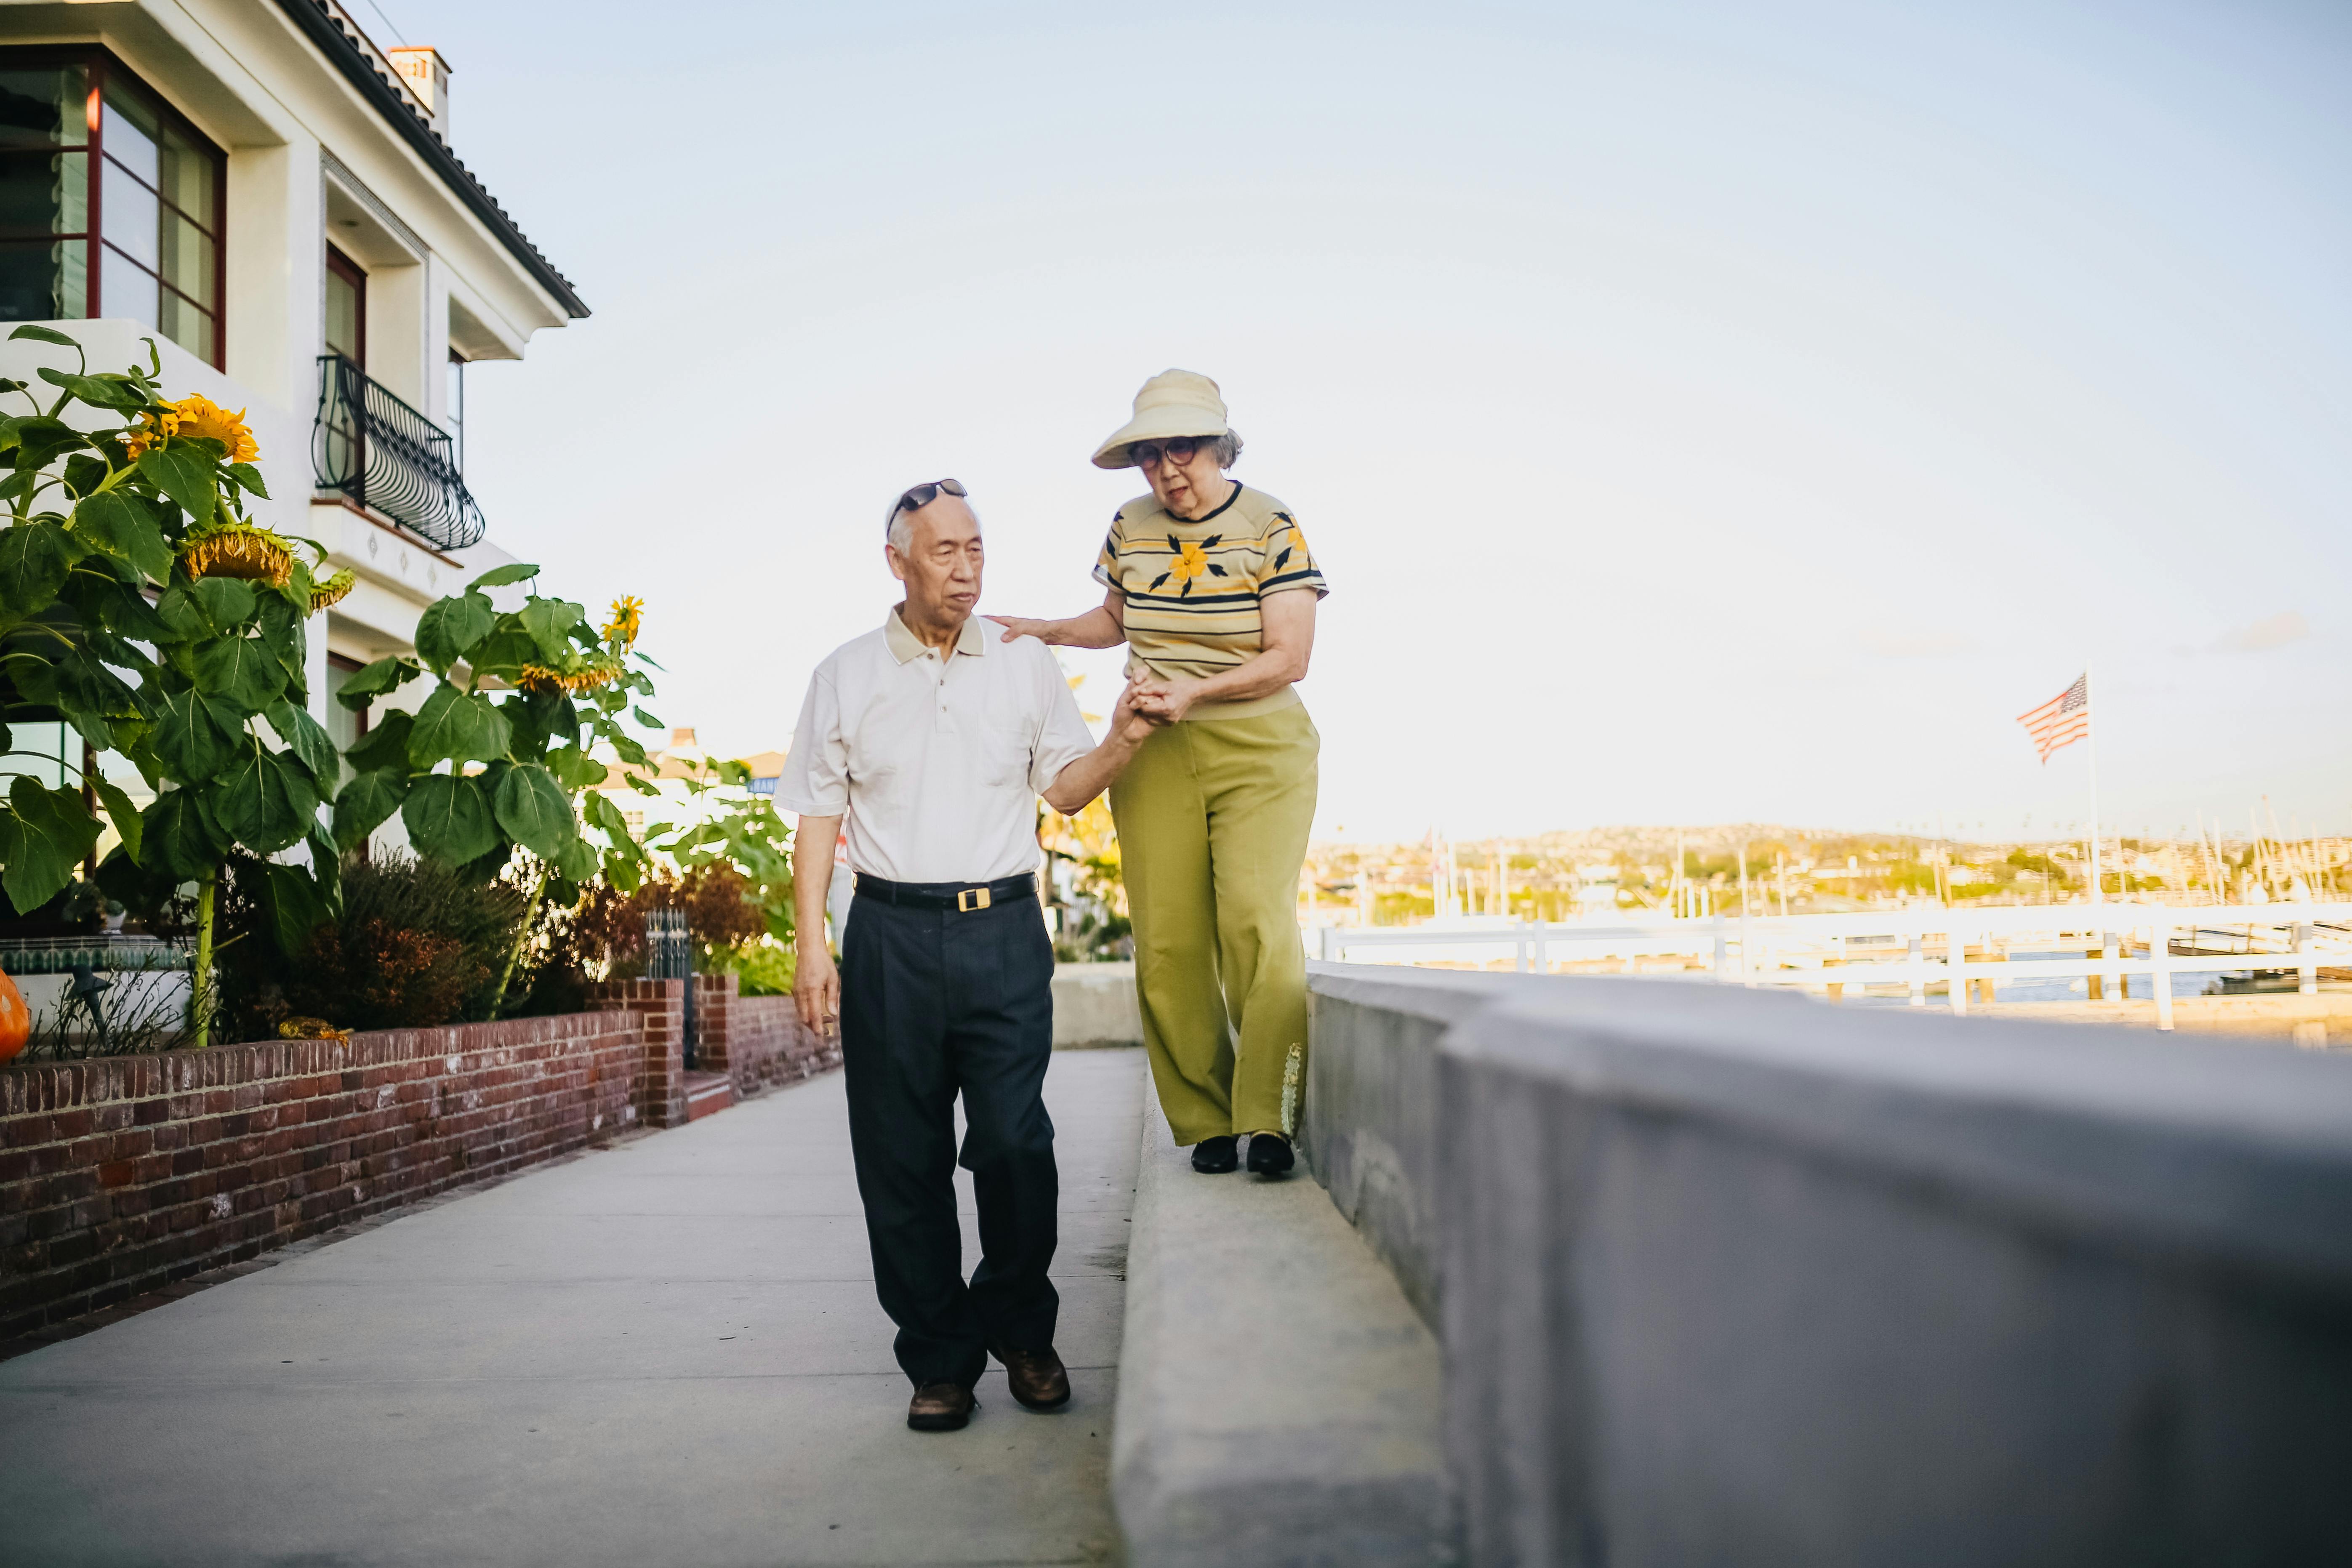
(962, 897)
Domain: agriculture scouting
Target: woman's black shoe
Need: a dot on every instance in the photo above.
(1269, 1154)
(1215, 1156)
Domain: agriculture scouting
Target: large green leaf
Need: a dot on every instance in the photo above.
(531, 809)
(505, 651)
(576, 769)
(91, 696)
(458, 726)
(207, 607)
(242, 671)
(34, 558)
(366, 803)
(44, 335)
(578, 860)
(120, 608)
(500, 576)
(604, 814)
(371, 681)
(47, 833)
(297, 905)
(550, 623)
(249, 478)
(97, 391)
(451, 626)
(282, 635)
(41, 440)
(385, 745)
(119, 811)
(309, 740)
(185, 473)
(179, 838)
(266, 802)
(195, 735)
(117, 524)
(449, 820)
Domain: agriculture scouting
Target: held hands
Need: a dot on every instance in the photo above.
(816, 989)
(1129, 722)
(1162, 702)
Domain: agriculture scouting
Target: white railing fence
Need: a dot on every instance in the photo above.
(1953, 948)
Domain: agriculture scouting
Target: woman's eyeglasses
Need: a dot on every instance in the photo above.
(921, 496)
(1144, 454)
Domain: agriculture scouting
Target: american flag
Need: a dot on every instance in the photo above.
(2060, 722)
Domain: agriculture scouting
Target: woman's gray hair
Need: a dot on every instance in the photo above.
(1227, 447)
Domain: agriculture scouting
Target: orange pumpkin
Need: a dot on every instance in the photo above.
(16, 1019)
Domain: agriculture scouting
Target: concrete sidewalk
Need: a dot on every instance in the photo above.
(664, 1353)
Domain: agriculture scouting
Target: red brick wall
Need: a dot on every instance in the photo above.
(121, 1174)
(766, 1044)
(660, 1097)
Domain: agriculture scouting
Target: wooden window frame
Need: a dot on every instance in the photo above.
(341, 266)
(104, 68)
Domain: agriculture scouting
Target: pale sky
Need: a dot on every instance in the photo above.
(1702, 412)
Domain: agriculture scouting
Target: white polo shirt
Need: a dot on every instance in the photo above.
(938, 765)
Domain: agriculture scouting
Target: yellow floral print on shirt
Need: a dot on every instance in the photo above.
(1192, 563)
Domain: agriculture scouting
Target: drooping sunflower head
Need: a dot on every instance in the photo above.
(627, 611)
(238, 550)
(331, 589)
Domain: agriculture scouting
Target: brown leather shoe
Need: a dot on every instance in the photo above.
(940, 1407)
(1037, 1378)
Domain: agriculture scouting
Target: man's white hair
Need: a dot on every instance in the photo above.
(902, 521)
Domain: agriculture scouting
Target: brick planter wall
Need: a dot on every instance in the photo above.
(762, 1042)
(123, 1174)
(660, 1092)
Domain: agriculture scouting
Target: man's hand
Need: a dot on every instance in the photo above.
(1130, 723)
(817, 988)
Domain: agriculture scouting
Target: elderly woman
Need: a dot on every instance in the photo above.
(1210, 585)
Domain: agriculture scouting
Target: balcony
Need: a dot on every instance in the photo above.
(370, 447)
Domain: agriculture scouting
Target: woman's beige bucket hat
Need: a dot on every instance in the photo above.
(1173, 402)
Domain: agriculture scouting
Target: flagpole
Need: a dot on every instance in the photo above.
(2098, 891)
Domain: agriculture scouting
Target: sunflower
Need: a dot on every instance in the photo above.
(538, 678)
(238, 550)
(623, 628)
(332, 591)
(196, 415)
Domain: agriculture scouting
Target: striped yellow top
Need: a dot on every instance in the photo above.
(1192, 588)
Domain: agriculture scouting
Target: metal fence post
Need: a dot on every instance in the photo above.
(2306, 961)
(1919, 970)
(2160, 955)
(669, 955)
(1955, 960)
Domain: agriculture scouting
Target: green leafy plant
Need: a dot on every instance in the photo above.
(203, 689)
(746, 833)
(497, 756)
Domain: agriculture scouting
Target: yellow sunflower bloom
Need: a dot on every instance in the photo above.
(195, 416)
(628, 612)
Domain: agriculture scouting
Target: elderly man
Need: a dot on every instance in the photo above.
(936, 739)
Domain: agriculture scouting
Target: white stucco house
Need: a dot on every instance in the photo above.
(274, 199)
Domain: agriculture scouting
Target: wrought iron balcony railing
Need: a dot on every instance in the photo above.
(385, 454)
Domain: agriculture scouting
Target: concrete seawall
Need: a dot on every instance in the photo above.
(1723, 1277)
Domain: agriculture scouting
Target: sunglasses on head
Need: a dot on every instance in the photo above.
(921, 496)
(1144, 454)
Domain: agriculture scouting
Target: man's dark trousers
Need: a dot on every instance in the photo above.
(934, 1002)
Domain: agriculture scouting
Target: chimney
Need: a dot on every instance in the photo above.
(680, 739)
(426, 74)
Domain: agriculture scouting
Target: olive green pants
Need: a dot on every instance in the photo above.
(1212, 819)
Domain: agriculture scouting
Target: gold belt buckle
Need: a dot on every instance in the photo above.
(971, 898)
